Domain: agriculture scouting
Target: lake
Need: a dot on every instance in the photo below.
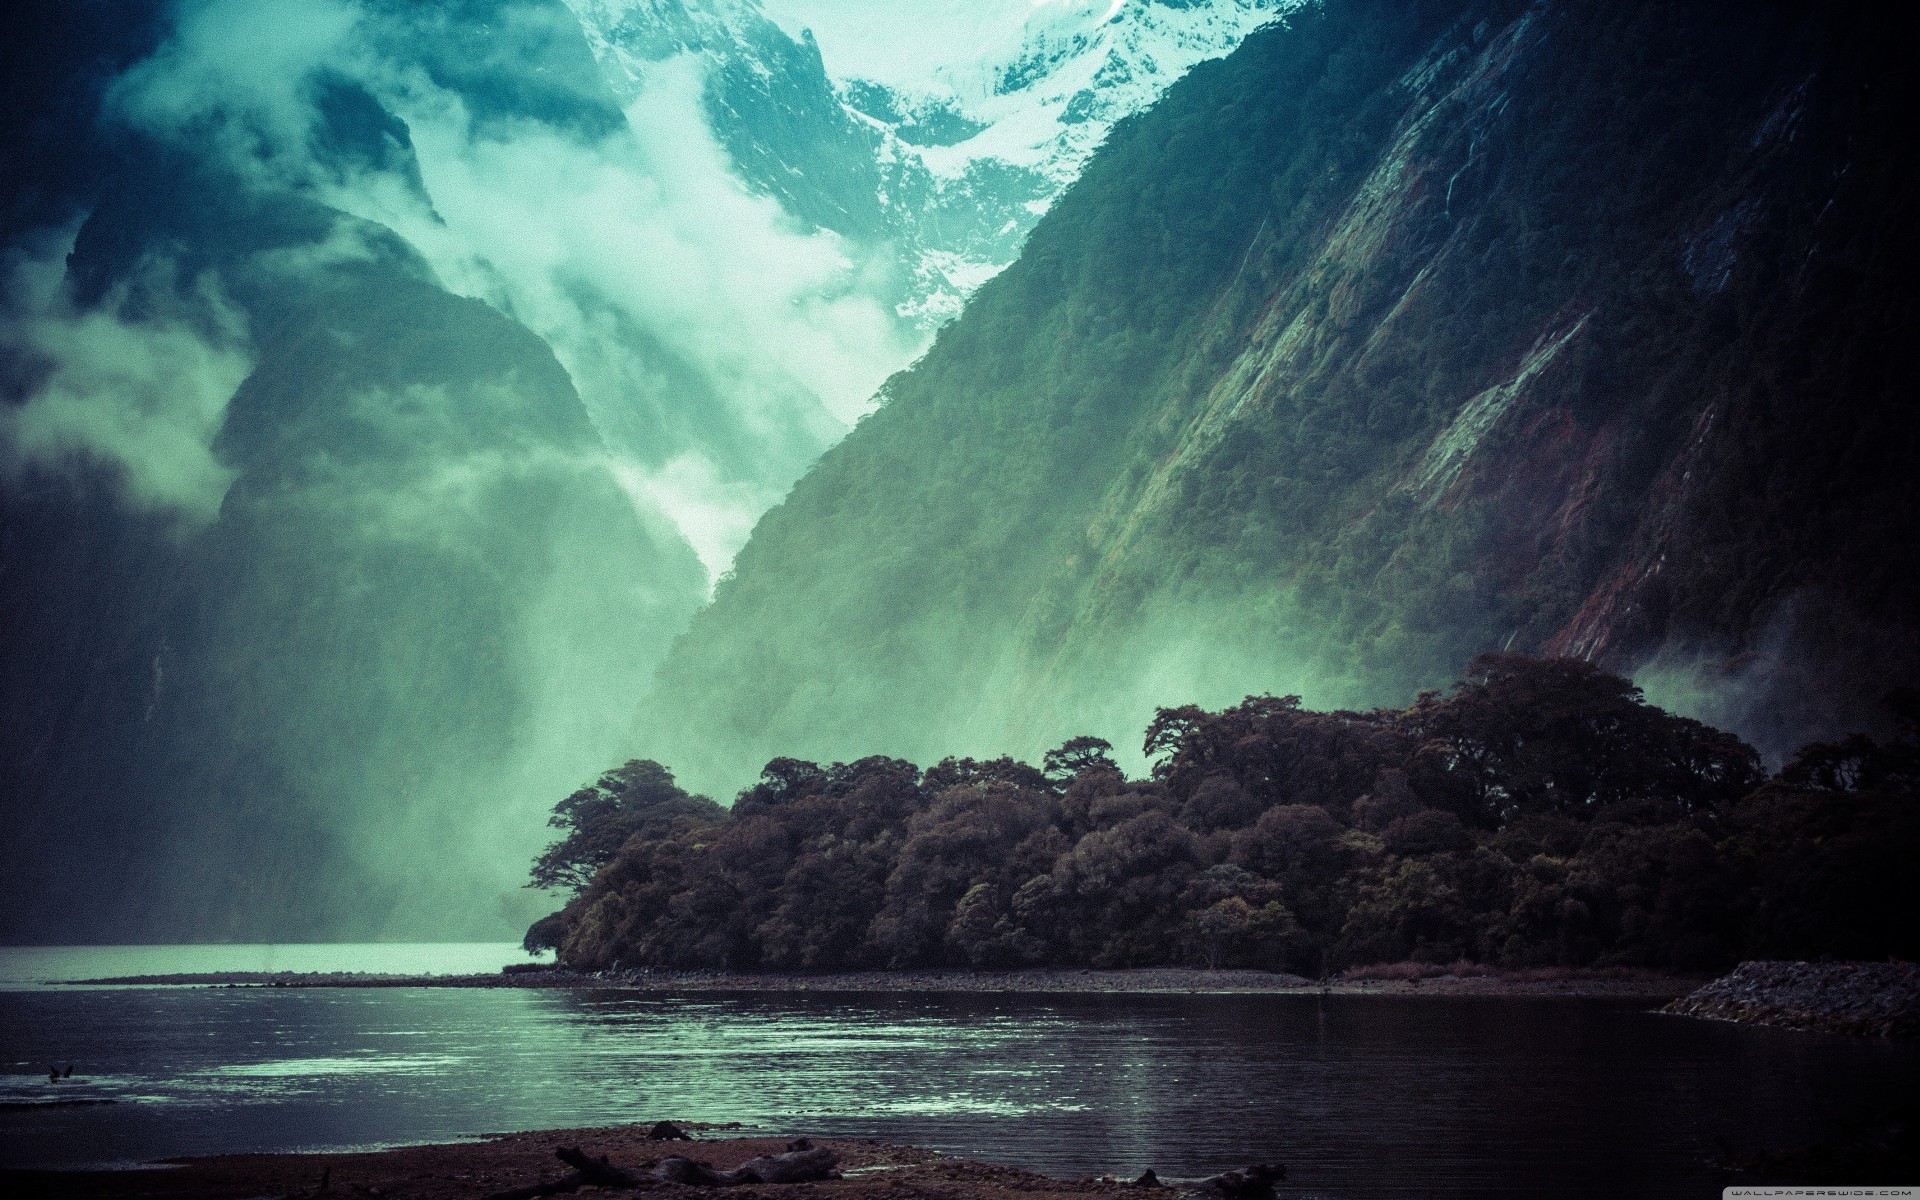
(1361, 1096)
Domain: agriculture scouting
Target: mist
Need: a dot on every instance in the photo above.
(419, 389)
(718, 345)
(417, 410)
(143, 393)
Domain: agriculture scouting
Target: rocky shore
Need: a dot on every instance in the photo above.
(1865, 999)
(1140, 981)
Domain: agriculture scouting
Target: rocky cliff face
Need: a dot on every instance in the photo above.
(1557, 327)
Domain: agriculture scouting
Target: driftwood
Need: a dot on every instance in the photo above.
(802, 1163)
(596, 1171)
(1248, 1183)
(795, 1166)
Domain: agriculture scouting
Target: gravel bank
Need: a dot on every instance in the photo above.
(1867, 999)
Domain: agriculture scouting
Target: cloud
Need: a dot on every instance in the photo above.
(234, 78)
(146, 394)
(718, 346)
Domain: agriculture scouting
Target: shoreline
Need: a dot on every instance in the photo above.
(494, 1164)
(1039, 981)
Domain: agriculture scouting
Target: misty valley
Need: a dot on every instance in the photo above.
(957, 600)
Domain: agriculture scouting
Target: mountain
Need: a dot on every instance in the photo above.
(936, 147)
(383, 385)
(319, 576)
(1404, 332)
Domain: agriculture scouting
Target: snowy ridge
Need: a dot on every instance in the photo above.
(970, 115)
(629, 35)
(1047, 100)
(1039, 85)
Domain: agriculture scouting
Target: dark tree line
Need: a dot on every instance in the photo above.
(1537, 813)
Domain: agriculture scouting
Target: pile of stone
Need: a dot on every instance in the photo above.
(1867, 999)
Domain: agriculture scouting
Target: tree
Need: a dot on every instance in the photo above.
(1566, 822)
(1214, 930)
(1075, 755)
(638, 796)
(1525, 735)
(1274, 751)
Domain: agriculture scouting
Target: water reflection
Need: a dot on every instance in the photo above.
(1361, 1096)
(28, 966)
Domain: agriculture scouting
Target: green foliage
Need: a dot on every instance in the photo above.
(639, 797)
(1522, 735)
(1539, 813)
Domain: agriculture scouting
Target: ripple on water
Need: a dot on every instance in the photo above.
(1359, 1095)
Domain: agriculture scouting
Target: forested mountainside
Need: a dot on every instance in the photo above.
(229, 726)
(1404, 332)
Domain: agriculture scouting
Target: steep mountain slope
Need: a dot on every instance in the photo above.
(1407, 332)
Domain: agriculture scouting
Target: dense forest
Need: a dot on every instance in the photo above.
(1538, 812)
(1406, 331)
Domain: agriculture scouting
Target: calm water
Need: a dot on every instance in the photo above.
(1361, 1096)
(23, 966)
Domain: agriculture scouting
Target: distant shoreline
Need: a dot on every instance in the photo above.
(1040, 981)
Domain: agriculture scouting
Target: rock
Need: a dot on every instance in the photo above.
(1248, 1183)
(1865, 999)
(795, 1166)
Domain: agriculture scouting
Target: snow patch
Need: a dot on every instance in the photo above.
(983, 110)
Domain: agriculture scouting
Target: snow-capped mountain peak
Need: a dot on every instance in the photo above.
(943, 127)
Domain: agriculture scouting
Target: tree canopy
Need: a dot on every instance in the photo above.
(1539, 812)
(639, 796)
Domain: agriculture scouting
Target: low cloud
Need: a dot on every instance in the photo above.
(718, 346)
(144, 394)
(234, 79)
